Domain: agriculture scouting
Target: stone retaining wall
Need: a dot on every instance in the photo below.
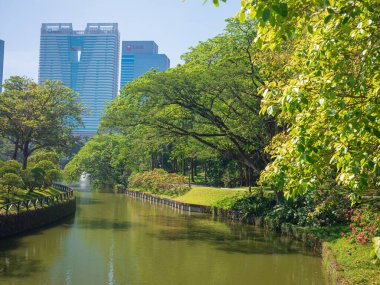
(46, 211)
(30, 220)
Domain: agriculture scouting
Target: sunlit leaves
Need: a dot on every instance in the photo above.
(331, 103)
(213, 98)
(36, 116)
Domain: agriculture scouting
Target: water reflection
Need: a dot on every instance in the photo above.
(115, 239)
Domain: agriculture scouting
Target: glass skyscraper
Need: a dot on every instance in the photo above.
(86, 61)
(1, 62)
(138, 57)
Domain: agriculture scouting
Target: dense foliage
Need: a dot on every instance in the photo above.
(210, 102)
(330, 104)
(159, 181)
(312, 209)
(42, 170)
(106, 158)
(36, 116)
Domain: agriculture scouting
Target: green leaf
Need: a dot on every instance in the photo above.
(216, 3)
(300, 148)
(310, 29)
(283, 9)
(259, 43)
(242, 17)
(328, 18)
(266, 14)
(376, 132)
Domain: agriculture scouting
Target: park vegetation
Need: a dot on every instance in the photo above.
(35, 129)
(287, 99)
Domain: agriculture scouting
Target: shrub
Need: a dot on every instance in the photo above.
(119, 188)
(230, 179)
(10, 181)
(364, 225)
(318, 208)
(160, 182)
(228, 202)
(326, 208)
(10, 166)
(257, 204)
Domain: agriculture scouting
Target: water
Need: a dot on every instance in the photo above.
(115, 239)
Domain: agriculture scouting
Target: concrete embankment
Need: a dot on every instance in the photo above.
(33, 214)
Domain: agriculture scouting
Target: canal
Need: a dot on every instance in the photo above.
(116, 239)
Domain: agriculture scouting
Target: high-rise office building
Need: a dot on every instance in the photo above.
(1, 62)
(86, 61)
(138, 57)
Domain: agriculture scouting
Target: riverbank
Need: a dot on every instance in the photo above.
(345, 263)
(25, 215)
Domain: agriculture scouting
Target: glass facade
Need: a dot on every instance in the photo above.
(1, 62)
(86, 61)
(138, 57)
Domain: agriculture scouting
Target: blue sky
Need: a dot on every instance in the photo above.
(175, 25)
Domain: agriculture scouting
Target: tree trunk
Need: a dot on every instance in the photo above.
(241, 173)
(192, 170)
(205, 168)
(183, 167)
(249, 180)
(279, 195)
(25, 152)
(14, 156)
(174, 165)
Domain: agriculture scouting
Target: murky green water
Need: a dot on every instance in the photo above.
(115, 239)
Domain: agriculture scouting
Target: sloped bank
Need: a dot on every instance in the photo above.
(330, 264)
(42, 215)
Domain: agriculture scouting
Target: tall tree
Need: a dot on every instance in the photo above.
(331, 103)
(212, 98)
(36, 116)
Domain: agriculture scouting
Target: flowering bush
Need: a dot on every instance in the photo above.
(364, 225)
(159, 181)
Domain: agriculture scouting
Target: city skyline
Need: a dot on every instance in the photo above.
(139, 57)
(175, 25)
(86, 61)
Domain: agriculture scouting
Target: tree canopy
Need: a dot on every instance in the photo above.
(330, 103)
(212, 98)
(36, 116)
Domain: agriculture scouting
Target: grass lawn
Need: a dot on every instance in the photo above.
(209, 196)
(355, 261)
(20, 195)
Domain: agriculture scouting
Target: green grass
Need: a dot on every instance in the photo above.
(209, 196)
(355, 261)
